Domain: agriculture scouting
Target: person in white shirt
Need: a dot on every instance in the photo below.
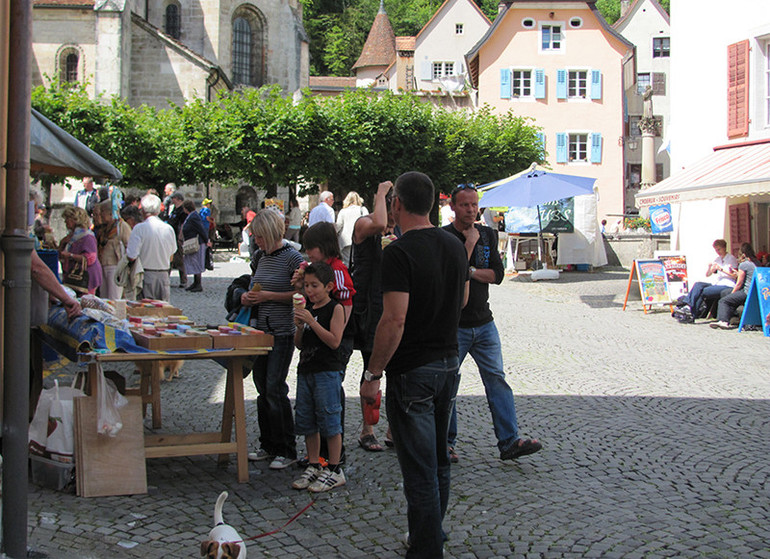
(323, 211)
(154, 243)
(352, 209)
(724, 268)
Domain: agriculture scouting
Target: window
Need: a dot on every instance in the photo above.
(528, 23)
(576, 23)
(550, 37)
(248, 47)
(458, 28)
(660, 47)
(767, 83)
(578, 147)
(173, 21)
(642, 81)
(521, 84)
(442, 69)
(69, 64)
(577, 84)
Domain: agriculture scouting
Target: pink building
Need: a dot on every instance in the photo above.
(561, 64)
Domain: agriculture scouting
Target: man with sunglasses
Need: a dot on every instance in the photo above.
(477, 333)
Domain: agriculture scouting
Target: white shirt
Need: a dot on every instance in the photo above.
(728, 261)
(154, 242)
(346, 221)
(322, 212)
(447, 215)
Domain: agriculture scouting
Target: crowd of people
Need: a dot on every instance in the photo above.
(411, 297)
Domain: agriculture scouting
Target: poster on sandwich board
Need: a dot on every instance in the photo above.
(675, 264)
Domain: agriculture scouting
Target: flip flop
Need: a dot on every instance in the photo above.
(521, 447)
(369, 443)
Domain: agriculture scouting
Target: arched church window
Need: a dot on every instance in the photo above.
(173, 21)
(248, 47)
(69, 64)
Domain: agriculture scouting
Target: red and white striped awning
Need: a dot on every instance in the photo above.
(732, 170)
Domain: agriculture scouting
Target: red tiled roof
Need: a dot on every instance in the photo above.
(331, 81)
(380, 46)
(63, 3)
(405, 43)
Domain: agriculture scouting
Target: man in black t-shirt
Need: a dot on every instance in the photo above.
(478, 334)
(424, 287)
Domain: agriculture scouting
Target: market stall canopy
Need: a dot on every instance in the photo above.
(533, 187)
(732, 170)
(56, 152)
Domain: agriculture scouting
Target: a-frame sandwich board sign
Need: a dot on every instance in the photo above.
(757, 305)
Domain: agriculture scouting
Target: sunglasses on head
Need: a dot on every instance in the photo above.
(461, 187)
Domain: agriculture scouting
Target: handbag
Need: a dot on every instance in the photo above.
(77, 276)
(190, 246)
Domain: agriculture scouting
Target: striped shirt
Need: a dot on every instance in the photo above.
(274, 273)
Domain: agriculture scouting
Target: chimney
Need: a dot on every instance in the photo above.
(625, 5)
(502, 5)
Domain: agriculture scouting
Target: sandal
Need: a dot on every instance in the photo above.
(389, 442)
(369, 443)
(521, 447)
(453, 457)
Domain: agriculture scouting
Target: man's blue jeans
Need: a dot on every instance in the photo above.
(703, 291)
(419, 403)
(276, 422)
(483, 343)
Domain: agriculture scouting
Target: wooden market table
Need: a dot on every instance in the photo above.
(173, 445)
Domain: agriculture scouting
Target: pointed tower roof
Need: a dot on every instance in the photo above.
(380, 46)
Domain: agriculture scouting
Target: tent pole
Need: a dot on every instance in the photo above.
(540, 237)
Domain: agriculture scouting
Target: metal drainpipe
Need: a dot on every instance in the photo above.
(17, 247)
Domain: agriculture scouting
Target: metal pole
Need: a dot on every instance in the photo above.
(18, 278)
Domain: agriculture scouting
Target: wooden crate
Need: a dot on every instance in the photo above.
(170, 343)
(224, 341)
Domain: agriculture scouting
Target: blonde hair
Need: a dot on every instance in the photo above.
(352, 199)
(78, 215)
(268, 224)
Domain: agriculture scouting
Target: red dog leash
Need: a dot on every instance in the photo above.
(292, 519)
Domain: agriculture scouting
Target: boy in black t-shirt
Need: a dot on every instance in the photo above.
(319, 379)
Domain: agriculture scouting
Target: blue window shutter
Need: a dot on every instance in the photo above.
(596, 148)
(505, 83)
(561, 84)
(426, 70)
(596, 84)
(539, 83)
(561, 147)
(541, 141)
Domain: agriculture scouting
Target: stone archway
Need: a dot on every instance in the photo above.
(246, 195)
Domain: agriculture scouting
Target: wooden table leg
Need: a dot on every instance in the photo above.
(235, 406)
(156, 372)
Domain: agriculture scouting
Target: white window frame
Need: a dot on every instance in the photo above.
(586, 147)
(586, 84)
(766, 81)
(541, 25)
(652, 53)
(528, 23)
(578, 22)
(639, 88)
(441, 66)
(521, 97)
(459, 29)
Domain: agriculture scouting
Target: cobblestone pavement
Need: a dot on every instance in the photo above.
(655, 442)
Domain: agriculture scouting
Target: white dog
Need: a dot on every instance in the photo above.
(224, 542)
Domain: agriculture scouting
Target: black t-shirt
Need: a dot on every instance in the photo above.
(431, 265)
(485, 255)
(315, 356)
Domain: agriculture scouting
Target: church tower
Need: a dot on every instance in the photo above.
(379, 51)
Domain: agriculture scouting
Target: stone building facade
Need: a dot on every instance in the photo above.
(159, 51)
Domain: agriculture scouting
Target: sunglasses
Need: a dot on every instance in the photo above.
(461, 187)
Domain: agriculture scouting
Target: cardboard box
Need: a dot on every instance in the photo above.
(158, 343)
(234, 341)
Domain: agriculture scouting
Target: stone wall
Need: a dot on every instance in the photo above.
(623, 248)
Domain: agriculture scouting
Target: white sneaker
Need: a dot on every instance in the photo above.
(327, 481)
(310, 474)
(261, 454)
(281, 462)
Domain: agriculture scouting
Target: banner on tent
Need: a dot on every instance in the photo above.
(555, 217)
(757, 305)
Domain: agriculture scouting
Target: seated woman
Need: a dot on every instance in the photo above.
(724, 268)
(731, 301)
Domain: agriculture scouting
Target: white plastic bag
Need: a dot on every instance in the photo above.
(108, 420)
(52, 431)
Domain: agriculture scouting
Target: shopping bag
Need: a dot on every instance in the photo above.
(108, 421)
(190, 246)
(51, 432)
(77, 276)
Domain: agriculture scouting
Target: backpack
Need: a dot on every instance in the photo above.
(233, 300)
